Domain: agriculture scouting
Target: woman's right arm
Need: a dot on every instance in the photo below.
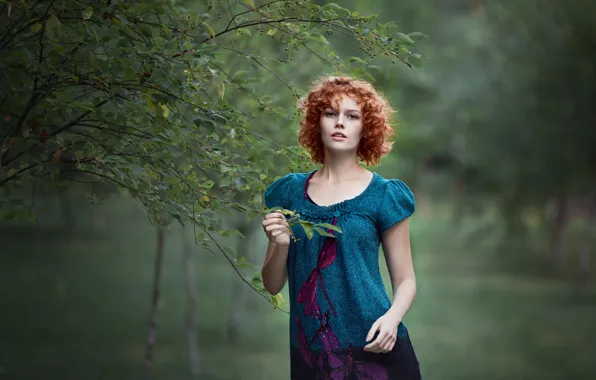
(274, 269)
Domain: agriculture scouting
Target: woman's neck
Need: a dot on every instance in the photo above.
(338, 169)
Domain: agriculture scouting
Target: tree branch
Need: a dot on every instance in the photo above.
(252, 10)
(253, 23)
(263, 66)
(57, 131)
(7, 179)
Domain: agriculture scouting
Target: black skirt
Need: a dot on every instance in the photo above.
(353, 363)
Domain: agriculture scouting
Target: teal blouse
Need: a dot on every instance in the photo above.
(335, 285)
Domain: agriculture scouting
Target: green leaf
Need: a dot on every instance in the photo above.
(219, 84)
(248, 3)
(210, 30)
(308, 228)
(59, 48)
(357, 59)
(242, 263)
(150, 103)
(333, 6)
(372, 17)
(51, 25)
(209, 125)
(277, 300)
(231, 251)
(318, 38)
(36, 27)
(417, 36)
(87, 13)
(165, 110)
(415, 60)
(271, 32)
(403, 38)
(330, 226)
(323, 232)
(256, 282)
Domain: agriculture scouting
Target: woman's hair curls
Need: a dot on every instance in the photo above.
(376, 113)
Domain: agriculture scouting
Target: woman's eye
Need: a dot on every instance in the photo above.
(353, 117)
(330, 114)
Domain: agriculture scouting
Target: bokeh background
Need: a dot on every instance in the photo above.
(496, 136)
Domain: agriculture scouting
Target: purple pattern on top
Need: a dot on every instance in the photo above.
(308, 292)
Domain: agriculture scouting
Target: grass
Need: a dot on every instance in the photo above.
(78, 309)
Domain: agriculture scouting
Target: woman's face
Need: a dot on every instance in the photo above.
(341, 126)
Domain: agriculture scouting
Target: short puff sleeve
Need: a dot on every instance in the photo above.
(396, 205)
(277, 192)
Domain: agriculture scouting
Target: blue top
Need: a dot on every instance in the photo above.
(335, 285)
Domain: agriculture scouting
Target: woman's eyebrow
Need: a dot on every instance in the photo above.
(352, 110)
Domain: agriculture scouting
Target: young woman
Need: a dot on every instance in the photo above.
(342, 323)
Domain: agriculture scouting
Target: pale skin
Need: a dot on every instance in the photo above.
(340, 178)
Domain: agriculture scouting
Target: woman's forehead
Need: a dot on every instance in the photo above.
(345, 102)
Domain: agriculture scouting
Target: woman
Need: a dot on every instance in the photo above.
(342, 323)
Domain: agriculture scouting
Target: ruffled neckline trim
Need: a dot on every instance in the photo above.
(311, 209)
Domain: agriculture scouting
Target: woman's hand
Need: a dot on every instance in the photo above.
(386, 325)
(277, 229)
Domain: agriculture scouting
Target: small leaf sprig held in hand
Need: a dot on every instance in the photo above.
(292, 218)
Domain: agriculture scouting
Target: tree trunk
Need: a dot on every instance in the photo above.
(191, 305)
(246, 228)
(557, 235)
(584, 267)
(64, 199)
(585, 253)
(152, 335)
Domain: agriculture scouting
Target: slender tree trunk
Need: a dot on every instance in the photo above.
(152, 335)
(584, 267)
(191, 311)
(243, 248)
(64, 198)
(557, 235)
(586, 248)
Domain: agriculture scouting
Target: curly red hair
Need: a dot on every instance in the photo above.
(376, 113)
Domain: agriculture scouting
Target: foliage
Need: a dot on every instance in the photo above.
(160, 100)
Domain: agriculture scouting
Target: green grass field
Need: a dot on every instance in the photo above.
(78, 309)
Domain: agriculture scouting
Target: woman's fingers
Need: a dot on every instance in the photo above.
(276, 218)
(276, 214)
(383, 343)
(388, 344)
(274, 221)
(273, 226)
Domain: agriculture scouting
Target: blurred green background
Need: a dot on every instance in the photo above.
(76, 306)
(495, 137)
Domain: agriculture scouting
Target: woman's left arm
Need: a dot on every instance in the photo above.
(396, 247)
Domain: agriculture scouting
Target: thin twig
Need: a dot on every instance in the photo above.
(237, 270)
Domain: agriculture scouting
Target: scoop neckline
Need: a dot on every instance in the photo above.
(336, 208)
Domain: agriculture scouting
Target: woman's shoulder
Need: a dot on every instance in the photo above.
(289, 179)
(281, 190)
(396, 202)
(390, 184)
(388, 188)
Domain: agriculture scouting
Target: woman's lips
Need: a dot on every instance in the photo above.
(338, 137)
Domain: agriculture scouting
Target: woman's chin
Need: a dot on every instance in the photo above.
(340, 149)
